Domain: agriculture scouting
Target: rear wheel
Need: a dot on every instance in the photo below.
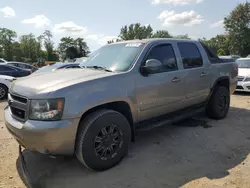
(103, 139)
(3, 91)
(219, 103)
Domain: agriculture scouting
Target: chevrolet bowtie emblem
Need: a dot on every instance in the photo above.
(10, 101)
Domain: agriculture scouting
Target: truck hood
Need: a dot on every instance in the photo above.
(50, 81)
(244, 72)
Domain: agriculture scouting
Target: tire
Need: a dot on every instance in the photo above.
(90, 139)
(3, 91)
(219, 103)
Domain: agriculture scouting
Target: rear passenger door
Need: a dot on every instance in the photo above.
(5, 70)
(160, 92)
(196, 73)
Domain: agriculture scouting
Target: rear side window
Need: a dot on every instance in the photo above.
(213, 58)
(23, 66)
(190, 54)
(165, 54)
(5, 68)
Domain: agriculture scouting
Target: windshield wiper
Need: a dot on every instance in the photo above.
(99, 67)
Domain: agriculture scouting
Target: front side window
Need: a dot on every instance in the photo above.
(116, 57)
(165, 54)
(190, 54)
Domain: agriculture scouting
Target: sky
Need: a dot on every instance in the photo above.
(98, 21)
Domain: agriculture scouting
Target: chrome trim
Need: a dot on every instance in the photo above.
(240, 78)
(19, 105)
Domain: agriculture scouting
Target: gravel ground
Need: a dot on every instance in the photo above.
(212, 155)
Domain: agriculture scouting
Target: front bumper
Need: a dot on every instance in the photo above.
(243, 86)
(48, 137)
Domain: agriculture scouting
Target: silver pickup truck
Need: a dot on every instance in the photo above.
(93, 112)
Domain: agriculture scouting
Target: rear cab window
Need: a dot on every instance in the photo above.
(190, 54)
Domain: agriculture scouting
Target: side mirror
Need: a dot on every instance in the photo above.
(151, 66)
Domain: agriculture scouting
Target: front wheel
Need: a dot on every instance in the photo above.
(3, 92)
(103, 139)
(219, 103)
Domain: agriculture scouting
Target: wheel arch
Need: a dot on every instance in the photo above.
(122, 107)
(222, 81)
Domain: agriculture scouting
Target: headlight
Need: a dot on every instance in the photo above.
(247, 79)
(46, 110)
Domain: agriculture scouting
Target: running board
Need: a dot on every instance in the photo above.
(169, 119)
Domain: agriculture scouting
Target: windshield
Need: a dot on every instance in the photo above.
(243, 63)
(116, 57)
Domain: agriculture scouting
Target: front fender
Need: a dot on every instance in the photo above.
(81, 98)
(101, 98)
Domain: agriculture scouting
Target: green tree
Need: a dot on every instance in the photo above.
(113, 41)
(72, 48)
(40, 53)
(82, 47)
(237, 26)
(161, 34)
(219, 44)
(49, 46)
(28, 46)
(17, 52)
(135, 31)
(65, 43)
(182, 36)
(7, 37)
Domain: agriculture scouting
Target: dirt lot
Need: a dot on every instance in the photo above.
(183, 155)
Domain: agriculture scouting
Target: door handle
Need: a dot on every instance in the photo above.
(176, 79)
(203, 74)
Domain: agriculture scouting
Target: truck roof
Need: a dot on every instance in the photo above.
(154, 40)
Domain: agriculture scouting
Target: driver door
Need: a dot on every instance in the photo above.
(161, 92)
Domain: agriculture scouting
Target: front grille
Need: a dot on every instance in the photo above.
(18, 106)
(239, 87)
(19, 99)
(17, 112)
(240, 78)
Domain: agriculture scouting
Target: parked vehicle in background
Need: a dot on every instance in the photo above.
(243, 75)
(23, 65)
(57, 66)
(80, 60)
(5, 82)
(3, 60)
(93, 112)
(13, 71)
(234, 57)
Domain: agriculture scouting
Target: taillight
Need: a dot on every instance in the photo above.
(235, 69)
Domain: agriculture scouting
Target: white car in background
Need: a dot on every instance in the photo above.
(243, 74)
(5, 82)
